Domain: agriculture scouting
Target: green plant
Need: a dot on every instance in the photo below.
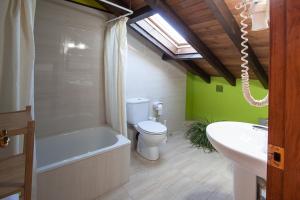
(197, 135)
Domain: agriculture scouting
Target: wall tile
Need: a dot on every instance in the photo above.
(69, 89)
(69, 82)
(151, 77)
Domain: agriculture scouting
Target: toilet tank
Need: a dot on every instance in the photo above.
(137, 110)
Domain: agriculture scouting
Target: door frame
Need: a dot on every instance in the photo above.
(284, 107)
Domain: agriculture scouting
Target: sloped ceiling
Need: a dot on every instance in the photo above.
(197, 15)
(202, 21)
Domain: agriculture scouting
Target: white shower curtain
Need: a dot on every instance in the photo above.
(17, 54)
(115, 60)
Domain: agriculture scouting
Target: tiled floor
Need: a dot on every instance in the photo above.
(182, 173)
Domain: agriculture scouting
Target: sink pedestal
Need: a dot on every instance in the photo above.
(244, 184)
(246, 146)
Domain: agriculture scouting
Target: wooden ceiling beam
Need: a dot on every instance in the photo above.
(188, 65)
(140, 14)
(169, 15)
(195, 69)
(190, 56)
(231, 27)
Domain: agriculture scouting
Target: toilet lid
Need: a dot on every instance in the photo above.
(151, 127)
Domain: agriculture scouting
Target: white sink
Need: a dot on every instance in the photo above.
(246, 146)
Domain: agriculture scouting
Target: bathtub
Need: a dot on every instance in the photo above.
(81, 165)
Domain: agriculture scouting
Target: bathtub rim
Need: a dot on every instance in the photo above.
(121, 141)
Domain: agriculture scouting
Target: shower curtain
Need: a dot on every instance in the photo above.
(115, 60)
(17, 54)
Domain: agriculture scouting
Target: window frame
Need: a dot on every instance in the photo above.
(160, 38)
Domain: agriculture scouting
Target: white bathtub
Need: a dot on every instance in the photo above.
(82, 165)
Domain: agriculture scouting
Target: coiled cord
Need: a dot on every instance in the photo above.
(245, 68)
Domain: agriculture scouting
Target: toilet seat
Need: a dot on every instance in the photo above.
(151, 128)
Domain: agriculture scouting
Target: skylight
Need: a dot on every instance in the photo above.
(162, 31)
(167, 29)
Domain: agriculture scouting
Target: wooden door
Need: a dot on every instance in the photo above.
(284, 108)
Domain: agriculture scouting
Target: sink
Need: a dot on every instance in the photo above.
(243, 143)
(246, 146)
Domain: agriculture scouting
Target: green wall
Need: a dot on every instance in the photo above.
(203, 102)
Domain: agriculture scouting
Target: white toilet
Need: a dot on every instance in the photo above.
(152, 133)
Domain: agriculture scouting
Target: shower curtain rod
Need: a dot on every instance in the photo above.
(130, 12)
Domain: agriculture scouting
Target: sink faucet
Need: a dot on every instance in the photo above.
(264, 128)
(263, 121)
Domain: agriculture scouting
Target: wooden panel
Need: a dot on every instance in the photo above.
(206, 67)
(292, 101)
(277, 93)
(285, 98)
(257, 39)
(232, 28)
(202, 21)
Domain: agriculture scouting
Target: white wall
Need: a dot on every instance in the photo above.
(69, 86)
(151, 77)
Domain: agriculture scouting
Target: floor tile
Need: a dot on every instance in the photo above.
(183, 172)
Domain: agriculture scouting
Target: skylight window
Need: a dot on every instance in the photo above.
(168, 29)
(157, 27)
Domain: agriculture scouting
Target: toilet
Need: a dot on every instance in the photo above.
(151, 133)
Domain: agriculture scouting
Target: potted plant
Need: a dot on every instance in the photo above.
(196, 133)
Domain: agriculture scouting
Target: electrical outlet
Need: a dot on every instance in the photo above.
(219, 88)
